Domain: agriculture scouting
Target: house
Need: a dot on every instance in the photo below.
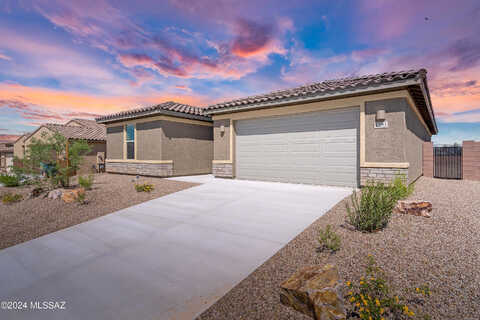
(76, 129)
(6, 155)
(19, 146)
(339, 132)
(168, 139)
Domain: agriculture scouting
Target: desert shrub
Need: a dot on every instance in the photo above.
(371, 210)
(9, 198)
(373, 298)
(328, 239)
(9, 180)
(86, 182)
(399, 188)
(146, 187)
(81, 198)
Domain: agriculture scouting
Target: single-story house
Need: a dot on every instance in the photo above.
(339, 132)
(75, 129)
(169, 139)
(6, 155)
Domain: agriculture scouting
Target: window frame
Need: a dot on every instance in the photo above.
(126, 141)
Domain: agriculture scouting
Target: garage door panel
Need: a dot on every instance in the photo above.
(314, 148)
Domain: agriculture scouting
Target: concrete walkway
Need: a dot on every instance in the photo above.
(168, 258)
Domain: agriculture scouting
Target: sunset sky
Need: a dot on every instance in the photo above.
(66, 58)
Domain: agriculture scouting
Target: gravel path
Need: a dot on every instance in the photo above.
(32, 218)
(442, 252)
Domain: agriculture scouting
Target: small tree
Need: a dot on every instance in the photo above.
(50, 154)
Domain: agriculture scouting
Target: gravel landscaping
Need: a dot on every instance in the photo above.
(442, 252)
(31, 218)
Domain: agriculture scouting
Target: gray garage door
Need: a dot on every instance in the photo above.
(312, 148)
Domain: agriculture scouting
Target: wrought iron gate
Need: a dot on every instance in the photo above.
(447, 162)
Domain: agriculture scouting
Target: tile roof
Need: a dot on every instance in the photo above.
(92, 132)
(346, 85)
(86, 122)
(170, 106)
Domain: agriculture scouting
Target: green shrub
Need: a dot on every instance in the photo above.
(9, 198)
(81, 198)
(372, 210)
(146, 187)
(372, 297)
(328, 239)
(9, 180)
(399, 188)
(86, 182)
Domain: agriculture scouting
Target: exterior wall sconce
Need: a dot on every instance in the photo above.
(380, 115)
(380, 119)
(222, 128)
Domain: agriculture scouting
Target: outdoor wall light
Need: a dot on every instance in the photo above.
(222, 128)
(380, 115)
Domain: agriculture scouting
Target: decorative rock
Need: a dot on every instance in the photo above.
(35, 192)
(416, 208)
(55, 194)
(70, 196)
(314, 291)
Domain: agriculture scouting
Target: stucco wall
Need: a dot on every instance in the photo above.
(221, 147)
(148, 140)
(385, 144)
(402, 141)
(90, 159)
(18, 147)
(190, 146)
(414, 137)
(115, 142)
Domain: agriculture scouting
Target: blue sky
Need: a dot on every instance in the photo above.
(65, 59)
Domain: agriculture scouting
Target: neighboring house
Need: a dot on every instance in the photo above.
(19, 146)
(77, 129)
(339, 132)
(6, 155)
(168, 139)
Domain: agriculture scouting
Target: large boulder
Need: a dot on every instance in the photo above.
(70, 196)
(314, 291)
(416, 208)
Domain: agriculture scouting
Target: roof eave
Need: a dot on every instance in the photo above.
(421, 82)
(155, 113)
(426, 95)
(308, 99)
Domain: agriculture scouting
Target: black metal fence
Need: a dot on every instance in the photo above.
(447, 162)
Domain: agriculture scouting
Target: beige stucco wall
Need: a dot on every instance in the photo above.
(385, 144)
(115, 142)
(414, 137)
(190, 146)
(40, 134)
(148, 141)
(18, 147)
(401, 141)
(221, 146)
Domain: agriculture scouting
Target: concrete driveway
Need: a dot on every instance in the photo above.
(168, 258)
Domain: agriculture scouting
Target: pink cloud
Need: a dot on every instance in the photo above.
(183, 87)
(362, 55)
(5, 57)
(251, 38)
(170, 52)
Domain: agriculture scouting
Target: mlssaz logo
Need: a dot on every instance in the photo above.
(47, 305)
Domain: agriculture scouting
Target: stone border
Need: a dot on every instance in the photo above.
(145, 169)
(223, 170)
(385, 175)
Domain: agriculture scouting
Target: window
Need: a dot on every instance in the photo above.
(130, 140)
(381, 124)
